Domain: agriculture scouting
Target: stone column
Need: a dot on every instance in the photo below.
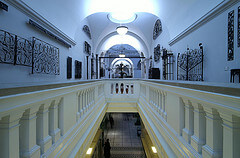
(9, 135)
(43, 139)
(28, 146)
(199, 137)
(54, 131)
(214, 141)
(189, 121)
(231, 135)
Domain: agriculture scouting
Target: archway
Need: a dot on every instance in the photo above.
(121, 60)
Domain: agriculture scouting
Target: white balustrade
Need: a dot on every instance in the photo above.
(184, 122)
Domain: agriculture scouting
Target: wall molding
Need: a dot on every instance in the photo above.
(27, 10)
(218, 9)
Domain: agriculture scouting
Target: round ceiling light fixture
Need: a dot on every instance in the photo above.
(122, 30)
(122, 17)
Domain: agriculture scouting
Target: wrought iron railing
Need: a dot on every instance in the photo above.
(35, 53)
(190, 65)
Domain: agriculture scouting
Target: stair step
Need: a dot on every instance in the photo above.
(127, 152)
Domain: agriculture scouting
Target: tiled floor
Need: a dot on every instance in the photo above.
(123, 137)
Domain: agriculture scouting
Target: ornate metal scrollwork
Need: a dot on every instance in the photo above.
(7, 47)
(87, 48)
(167, 60)
(78, 69)
(24, 52)
(238, 30)
(45, 58)
(157, 53)
(190, 65)
(231, 35)
(15, 50)
(157, 29)
(87, 31)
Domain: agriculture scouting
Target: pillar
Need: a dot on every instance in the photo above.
(9, 135)
(199, 137)
(43, 139)
(231, 135)
(54, 131)
(28, 146)
(214, 141)
(189, 121)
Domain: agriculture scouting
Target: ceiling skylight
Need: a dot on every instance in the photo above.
(122, 17)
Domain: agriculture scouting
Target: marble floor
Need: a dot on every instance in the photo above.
(123, 137)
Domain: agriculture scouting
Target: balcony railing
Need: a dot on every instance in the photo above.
(183, 119)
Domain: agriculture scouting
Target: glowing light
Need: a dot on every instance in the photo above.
(89, 151)
(122, 30)
(122, 55)
(122, 17)
(154, 149)
(126, 39)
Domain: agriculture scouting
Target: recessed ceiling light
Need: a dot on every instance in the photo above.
(122, 17)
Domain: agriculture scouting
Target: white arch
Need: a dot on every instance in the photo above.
(118, 39)
(121, 59)
(113, 39)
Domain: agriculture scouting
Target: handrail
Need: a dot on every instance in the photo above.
(221, 88)
(27, 89)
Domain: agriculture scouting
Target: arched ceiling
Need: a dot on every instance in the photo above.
(176, 15)
(101, 27)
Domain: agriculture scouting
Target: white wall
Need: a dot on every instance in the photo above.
(15, 21)
(213, 35)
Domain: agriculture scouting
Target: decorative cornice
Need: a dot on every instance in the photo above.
(23, 7)
(222, 6)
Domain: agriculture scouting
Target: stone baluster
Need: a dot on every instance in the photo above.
(161, 103)
(54, 131)
(164, 95)
(199, 137)
(214, 134)
(9, 135)
(28, 146)
(88, 100)
(231, 135)
(84, 101)
(61, 116)
(189, 121)
(43, 139)
(155, 98)
(79, 105)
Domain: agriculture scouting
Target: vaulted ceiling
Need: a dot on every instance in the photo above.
(175, 15)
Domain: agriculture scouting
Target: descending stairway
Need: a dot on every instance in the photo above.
(124, 139)
(127, 152)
